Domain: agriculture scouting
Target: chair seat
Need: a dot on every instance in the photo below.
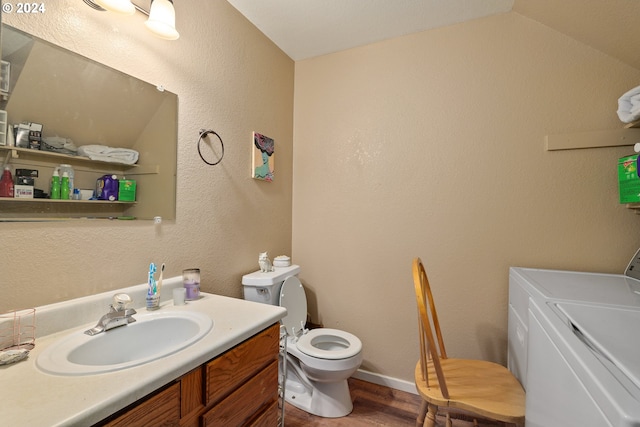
(485, 388)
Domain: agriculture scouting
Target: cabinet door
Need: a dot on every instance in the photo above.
(162, 409)
(237, 365)
(192, 397)
(240, 407)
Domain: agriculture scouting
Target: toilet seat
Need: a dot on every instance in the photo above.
(293, 298)
(323, 343)
(330, 344)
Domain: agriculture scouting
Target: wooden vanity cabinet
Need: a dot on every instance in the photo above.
(237, 388)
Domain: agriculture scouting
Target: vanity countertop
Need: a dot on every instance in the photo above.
(33, 398)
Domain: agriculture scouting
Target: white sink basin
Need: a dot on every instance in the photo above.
(152, 336)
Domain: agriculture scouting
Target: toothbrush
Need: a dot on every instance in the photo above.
(160, 278)
(151, 281)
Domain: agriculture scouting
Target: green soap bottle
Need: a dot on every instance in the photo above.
(64, 186)
(55, 185)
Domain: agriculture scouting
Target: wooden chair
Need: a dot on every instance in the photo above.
(483, 388)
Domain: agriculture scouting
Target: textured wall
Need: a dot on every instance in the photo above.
(429, 145)
(228, 77)
(432, 145)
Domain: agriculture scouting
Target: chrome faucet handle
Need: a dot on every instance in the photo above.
(120, 301)
(118, 315)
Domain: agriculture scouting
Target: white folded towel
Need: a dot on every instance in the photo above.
(629, 106)
(635, 104)
(109, 154)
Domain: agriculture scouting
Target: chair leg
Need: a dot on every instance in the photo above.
(448, 420)
(421, 414)
(430, 420)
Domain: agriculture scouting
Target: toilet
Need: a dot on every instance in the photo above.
(318, 361)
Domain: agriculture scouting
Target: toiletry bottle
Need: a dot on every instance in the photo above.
(6, 183)
(55, 185)
(64, 186)
(70, 173)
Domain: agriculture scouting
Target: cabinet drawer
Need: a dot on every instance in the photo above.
(236, 366)
(268, 418)
(162, 409)
(238, 408)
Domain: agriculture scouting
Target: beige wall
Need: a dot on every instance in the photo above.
(228, 77)
(429, 145)
(432, 145)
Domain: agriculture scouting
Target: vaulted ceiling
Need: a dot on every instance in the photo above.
(308, 28)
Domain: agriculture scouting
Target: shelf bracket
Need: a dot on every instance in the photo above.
(11, 154)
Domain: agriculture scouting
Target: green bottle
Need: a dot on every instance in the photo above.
(64, 186)
(55, 185)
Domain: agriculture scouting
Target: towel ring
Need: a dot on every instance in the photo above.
(204, 133)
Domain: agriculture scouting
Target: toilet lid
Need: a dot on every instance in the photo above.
(293, 298)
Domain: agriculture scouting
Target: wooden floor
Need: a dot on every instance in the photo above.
(373, 405)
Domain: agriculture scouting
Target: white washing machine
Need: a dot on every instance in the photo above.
(574, 344)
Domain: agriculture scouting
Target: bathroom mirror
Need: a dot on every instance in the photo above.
(80, 100)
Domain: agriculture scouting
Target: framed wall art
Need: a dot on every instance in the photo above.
(263, 159)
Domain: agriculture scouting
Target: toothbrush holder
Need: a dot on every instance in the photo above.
(153, 302)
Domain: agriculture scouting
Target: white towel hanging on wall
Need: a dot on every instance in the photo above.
(629, 106)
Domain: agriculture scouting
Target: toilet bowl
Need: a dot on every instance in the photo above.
(318, 361)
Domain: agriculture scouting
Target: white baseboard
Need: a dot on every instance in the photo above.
(386, 381)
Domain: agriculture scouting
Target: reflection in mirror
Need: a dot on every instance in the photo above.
(82, 103)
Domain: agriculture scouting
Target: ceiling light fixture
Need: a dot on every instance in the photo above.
(119, 6)
(162, 15)
(162, 19)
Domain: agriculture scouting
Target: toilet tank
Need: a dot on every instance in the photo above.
(265, 287)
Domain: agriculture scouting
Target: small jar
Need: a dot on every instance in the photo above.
(191, 282)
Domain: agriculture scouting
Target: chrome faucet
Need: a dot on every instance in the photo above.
(118, 315)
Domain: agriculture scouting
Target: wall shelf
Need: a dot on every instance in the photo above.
(594, 139)
(87, 171)
(39, 200)
(19, 153)
(634, 206)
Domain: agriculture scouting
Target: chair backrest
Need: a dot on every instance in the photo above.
(427, 323)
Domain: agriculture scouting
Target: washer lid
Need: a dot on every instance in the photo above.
(608, 331)
(293, 298)
(609, 289)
